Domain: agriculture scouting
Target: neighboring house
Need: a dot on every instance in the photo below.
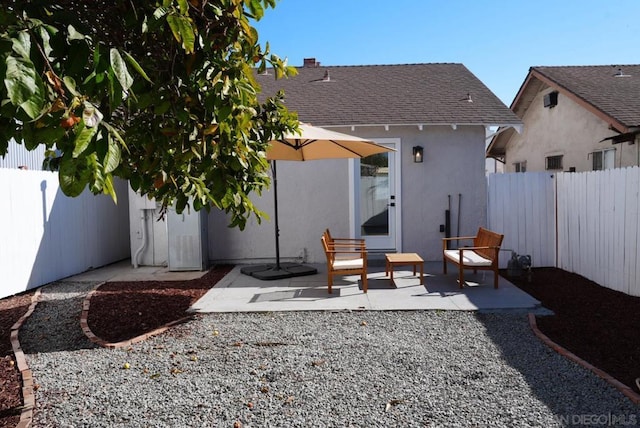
(576, 118)
(396, 204)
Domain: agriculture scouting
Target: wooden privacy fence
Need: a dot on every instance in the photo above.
(587, 222)
(46, 236)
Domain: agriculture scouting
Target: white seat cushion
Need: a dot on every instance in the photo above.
(469, 258)
(348, 264)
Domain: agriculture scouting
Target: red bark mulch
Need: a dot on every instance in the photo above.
(598, 324)
(11, 309)
(123, 310)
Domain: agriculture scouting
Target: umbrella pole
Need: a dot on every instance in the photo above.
(275, 211)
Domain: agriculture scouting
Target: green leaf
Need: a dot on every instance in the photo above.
(182, 31)
(255, 6)
(73, 34)
(115, 90)
(108, 189)
(135, 181)
(224, 112)
(46, 46)
(162, 108)
(114, 133)
(181, 202)
(22, 44)
(70, 84)
(112, 158)
(197, 204)
(24, 86)
(184, 6)
(120, 69)
(96, 55)
(73, 176)
(132, 61)
(83, 139)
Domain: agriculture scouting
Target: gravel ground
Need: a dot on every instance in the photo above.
(311, 369)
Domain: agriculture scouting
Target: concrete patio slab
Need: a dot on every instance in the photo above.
(242, 293)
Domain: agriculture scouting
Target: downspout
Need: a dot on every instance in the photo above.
(143, 222)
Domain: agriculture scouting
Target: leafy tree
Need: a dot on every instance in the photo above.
(161, 93)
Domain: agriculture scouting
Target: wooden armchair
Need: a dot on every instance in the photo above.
(482, 255)
(345, 256)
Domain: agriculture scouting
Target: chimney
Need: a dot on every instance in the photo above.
(310, 63)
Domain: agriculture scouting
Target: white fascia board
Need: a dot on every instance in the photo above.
(502, 128)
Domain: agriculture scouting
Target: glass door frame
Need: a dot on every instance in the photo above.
(394, 241)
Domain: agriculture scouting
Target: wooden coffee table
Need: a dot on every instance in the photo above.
(404, 259)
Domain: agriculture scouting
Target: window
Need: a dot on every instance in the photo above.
(520, 166)
(603, 159)
(554, 162)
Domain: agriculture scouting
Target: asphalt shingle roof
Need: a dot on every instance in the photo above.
(617, 97)
(389, 94)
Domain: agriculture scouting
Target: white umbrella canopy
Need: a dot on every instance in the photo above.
(313, 143)
(310, 143)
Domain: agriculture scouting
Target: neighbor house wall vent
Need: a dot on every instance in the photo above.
(551, 99)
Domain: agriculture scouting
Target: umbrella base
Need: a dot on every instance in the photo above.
(270, 272)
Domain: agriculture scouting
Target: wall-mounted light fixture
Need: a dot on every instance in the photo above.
(418, 152)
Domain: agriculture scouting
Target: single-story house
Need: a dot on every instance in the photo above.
(576, 118)
(397, 204)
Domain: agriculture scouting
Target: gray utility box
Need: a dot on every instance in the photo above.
(188, 240)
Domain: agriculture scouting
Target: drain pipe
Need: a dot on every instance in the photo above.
(143, 223)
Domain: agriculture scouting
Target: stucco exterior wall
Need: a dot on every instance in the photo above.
(566, 129)
(315, 195)
(312, 196)
(453, 164)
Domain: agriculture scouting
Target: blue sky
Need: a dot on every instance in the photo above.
(496, 40)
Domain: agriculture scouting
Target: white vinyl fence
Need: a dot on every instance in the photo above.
(46, 236)
(598, 225)
(585, 222)
(522, 207)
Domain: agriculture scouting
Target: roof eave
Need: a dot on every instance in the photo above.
(497, 147)
(421, 125)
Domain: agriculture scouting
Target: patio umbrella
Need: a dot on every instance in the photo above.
(311, 143)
